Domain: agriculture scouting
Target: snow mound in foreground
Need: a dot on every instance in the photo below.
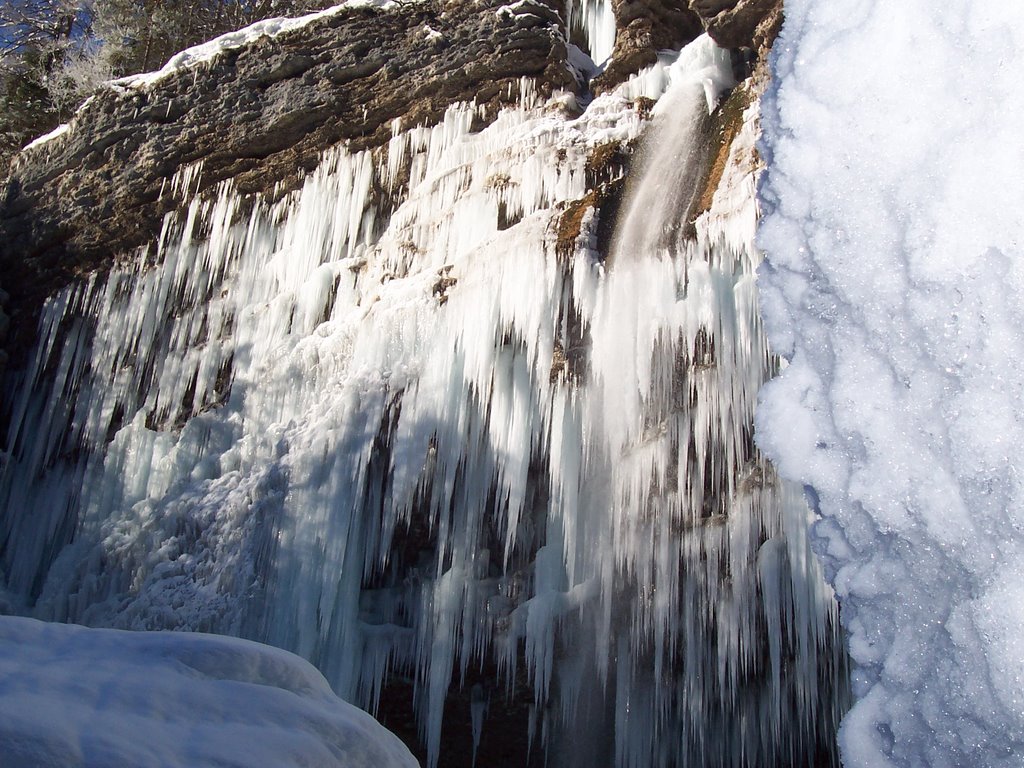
(99, 697)
(894, 285)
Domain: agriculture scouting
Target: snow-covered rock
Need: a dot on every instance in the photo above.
(93, 698)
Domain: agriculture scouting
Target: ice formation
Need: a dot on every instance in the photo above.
(894, 286)
(394, 424)
(101, 697)
(597, 21)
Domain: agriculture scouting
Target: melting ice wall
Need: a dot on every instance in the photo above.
(894, 285)
(390, 424)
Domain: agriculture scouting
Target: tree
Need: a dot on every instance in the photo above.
(37, 37)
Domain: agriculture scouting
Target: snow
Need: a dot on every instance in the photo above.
(94, 697)
(60, 130)
(894, 285)
(236, 432)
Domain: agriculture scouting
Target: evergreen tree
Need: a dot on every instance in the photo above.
(37, 37)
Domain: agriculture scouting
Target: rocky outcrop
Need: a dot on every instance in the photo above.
(740, 23)
(644, 27)
(260, 115)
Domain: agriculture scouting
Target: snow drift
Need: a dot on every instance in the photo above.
(101, 697)
(894, 286)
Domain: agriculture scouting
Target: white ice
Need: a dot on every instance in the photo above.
(99, 697)
(894, 286)
(597, 20)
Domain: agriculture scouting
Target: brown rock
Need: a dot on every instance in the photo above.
(735, 23)
(260, 115)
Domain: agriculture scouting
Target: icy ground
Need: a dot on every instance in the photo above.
(98, 697)
(895, 287)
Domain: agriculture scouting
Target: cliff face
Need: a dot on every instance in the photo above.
(260, 115)
(364, 395)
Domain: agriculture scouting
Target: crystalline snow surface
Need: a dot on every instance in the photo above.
(894, 284)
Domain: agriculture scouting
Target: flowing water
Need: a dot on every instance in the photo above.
(388, 424)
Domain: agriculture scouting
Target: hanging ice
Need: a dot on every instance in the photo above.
(392, 424)
(596, 20)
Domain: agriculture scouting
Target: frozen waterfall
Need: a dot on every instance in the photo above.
(392, 423)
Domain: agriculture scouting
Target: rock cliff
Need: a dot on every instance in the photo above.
(262, 113)
(260, 116)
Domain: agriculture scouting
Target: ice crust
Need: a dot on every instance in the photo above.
(100, 697)
(894, 286)
(388, 424)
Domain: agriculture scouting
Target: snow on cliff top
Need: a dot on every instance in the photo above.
(199, 54)
(193, 57)
(894, 284)
(99, 697)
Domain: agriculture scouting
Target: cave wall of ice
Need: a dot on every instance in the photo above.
(400, 423)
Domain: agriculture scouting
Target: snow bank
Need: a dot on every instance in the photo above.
(895, 287)
(93, 697)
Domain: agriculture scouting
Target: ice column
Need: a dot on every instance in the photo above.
(597, 21)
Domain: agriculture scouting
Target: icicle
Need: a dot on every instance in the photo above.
(478, 703)
(350, 426)
(597, 21)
